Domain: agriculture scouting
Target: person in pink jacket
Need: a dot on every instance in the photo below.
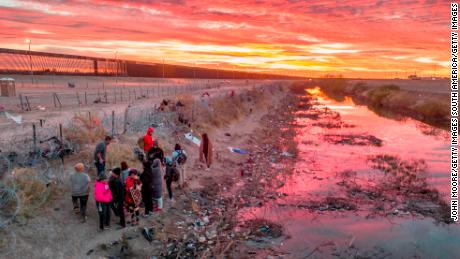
(103, 197)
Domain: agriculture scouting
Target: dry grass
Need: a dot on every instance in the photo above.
(84, 129)
(32, 192)
(221, 111)
(117, 152)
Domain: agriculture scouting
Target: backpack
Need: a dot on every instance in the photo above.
(140, 142)
(172, 173)
(175, 174)
(181, 158)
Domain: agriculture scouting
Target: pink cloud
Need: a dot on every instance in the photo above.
(368, 35)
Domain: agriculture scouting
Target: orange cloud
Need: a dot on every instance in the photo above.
(369, 39)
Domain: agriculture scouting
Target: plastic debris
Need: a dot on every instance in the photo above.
(192, 138)
(17, 119)
(148, 234)
(238, 150)
(287, 154)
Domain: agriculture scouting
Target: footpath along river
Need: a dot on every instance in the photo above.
(367, 186)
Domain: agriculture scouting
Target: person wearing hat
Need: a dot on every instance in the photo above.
(117, 189)
(149, 141)
(79, 182)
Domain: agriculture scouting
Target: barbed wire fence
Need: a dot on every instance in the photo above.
(25, 146)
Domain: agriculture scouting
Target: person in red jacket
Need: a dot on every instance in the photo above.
(133, 195)
(149, 142)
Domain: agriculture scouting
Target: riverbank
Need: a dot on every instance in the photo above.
(198, 224)
(390, 100)
(362, 186)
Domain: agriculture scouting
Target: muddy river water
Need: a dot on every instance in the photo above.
(327, 233)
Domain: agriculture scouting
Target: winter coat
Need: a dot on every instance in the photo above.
(148, 140)
(80, 184)
(116, 187)
(157, 183)
(209, 155)
(170, 171)
(132, 186)
(147, 177)
(102, 192)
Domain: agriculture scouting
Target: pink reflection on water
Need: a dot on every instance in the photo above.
(319, 172)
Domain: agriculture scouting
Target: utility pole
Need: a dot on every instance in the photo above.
(30, 60)
(116, 62)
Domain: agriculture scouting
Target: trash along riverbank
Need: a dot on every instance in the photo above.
(359, 185)
(296, 174)
(199, 223)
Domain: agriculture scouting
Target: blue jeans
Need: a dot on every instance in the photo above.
(100, 168)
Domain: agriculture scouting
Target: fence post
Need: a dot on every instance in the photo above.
(115, 95)
(28, 103)
(121, 94)
(54, 100)
(125, 125)
(34, 135)
(60, 133)
(86, 99)
(90, 120)
(22, 104)
(78, 99)
(105, 95)
(113, 123)
(59, 101)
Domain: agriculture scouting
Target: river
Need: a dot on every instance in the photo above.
(321, 163)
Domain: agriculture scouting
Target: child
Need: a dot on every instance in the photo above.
(124, 172)
(133, 195)
(103, 197)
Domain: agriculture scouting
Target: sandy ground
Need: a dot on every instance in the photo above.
(55, 232)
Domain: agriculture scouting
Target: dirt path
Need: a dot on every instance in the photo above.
(55, 232)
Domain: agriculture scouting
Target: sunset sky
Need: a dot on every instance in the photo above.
(309, 38)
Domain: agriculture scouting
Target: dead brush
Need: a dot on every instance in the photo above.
(84, 129)
(117, 152)
(31, 191)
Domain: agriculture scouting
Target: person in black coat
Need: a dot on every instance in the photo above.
(116, 187)
(147, 190)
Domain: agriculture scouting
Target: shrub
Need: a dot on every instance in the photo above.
(433, 110)
(377, 96)
(83, 129)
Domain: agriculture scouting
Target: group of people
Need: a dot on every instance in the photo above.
(127, 189)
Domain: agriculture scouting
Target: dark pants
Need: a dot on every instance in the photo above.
(83, 201)
(168, 186)
(134, 211)
(147, 200)
(100, 168)
(117, 207)
(103, 208)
